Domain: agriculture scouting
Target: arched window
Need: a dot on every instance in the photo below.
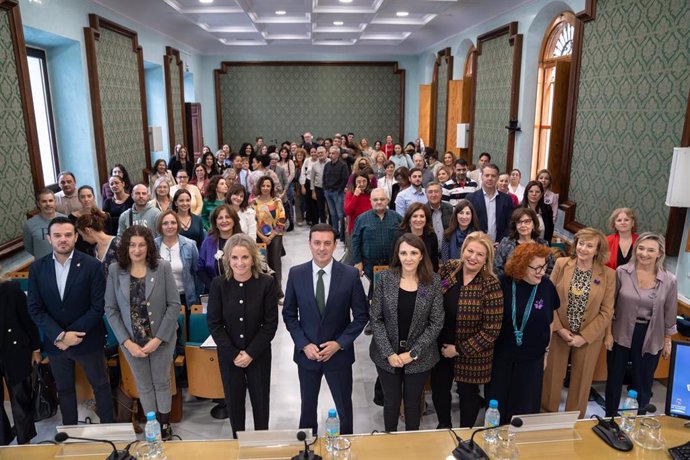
(552, 93)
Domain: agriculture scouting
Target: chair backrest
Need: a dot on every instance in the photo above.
(203, 373)
(197, 309)
(377, 271)
(263, 250)
(182, 326)
(198, 328)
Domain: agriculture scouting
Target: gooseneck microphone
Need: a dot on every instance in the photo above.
(306, 454)
(469, 450)
(116, 454)
(610, 432)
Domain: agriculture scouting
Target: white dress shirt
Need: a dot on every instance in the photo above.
(61, 272)
(490, 203)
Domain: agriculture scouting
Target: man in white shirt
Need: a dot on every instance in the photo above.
(67, 199)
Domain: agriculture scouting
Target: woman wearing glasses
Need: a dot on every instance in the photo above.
(529, 300)
(524, 228)
(182, 255)
(197, 202)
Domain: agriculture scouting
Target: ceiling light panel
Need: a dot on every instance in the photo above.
(193, 6)
(357, 6)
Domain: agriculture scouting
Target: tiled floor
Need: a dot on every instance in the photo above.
(285, 400)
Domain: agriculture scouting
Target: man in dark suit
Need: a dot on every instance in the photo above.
(319, 297)
(493, 208)
(66, 292)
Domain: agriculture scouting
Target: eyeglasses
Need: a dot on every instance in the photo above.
(538, 269)
(524, 221)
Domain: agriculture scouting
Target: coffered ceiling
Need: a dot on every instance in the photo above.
(310, 26)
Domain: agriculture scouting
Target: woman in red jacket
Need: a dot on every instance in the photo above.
(624, 225)
(357, 199)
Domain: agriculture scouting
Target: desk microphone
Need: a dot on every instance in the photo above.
(610, 432)
(305, 454)
(61, 437)
(468, 450)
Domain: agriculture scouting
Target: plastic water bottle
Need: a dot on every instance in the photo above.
(332, 429)
(152, 432)
(492, 418)
(629, 412)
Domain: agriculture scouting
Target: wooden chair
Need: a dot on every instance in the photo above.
(198, 329)
(195, 309)
(263, 250)
(377, 271)
(203, 373)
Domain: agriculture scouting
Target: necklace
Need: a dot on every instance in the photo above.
(528, 309)
(185, 225)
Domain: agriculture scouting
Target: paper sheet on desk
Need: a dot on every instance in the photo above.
(209, 343)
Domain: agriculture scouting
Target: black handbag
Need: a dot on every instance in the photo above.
(44, 393)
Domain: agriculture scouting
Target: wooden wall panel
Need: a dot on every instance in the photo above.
(455, 101)
(425, 113)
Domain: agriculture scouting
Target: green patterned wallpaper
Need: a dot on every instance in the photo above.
(492, 100)
(16, 187)
(118, 80)
(441, 105)
(176, 88)
(634, 85)
(281, 102)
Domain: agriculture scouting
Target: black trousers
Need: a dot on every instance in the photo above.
(406, 388)
(309, 205)
(643, 367)
(340, 383)
(237, 380)
(62, 365)
(321, 206)
(516, 385)
(470, 403)
(274, 252)
(22, 412)
(442, 377)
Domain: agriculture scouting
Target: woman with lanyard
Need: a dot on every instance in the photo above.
(224, 224)
(644, 321)
(529, 302)
(182, 255)
(473, 302)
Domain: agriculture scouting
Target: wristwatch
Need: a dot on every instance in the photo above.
(414, 355)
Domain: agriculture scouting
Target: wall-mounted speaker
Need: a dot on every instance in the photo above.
(156, 138)
(463, 137)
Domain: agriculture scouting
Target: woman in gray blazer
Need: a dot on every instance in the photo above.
(406, 317)
(142, 305)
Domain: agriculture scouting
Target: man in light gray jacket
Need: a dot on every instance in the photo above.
(142, 213)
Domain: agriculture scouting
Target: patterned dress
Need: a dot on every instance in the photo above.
(139, 313)
(478, 324)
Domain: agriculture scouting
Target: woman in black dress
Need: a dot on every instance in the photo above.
(19, 348)
(117, 204)
(529, 300)
(243, 318)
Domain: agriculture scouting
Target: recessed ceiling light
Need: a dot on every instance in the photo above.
(337, 23)
(345, 1)
(205, 1)
(402, 14)
(281, 12)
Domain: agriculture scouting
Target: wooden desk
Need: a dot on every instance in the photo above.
(433, 444)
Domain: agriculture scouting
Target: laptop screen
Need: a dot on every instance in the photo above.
(678, 391)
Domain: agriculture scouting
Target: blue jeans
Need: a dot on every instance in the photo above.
(335, 208)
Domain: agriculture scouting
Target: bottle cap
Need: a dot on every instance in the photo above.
(632, 394)
(332, 413)
(493, 404)
(150, 416)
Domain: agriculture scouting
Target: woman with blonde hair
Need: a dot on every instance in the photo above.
(644, 320)
(160, 194)
(586, 289)
(243, 319)
(473, 302)
(623, 224)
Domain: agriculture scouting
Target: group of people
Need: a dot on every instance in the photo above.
(467, 288)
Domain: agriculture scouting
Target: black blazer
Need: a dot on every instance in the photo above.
(504, 210)
(81, 308)
(18, 334)
(248, 326)
(446, 213)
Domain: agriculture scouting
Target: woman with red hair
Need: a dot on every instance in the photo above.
(529, 302)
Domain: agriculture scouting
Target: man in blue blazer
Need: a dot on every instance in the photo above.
(319, 297)
(494, 220)
(66, 292)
